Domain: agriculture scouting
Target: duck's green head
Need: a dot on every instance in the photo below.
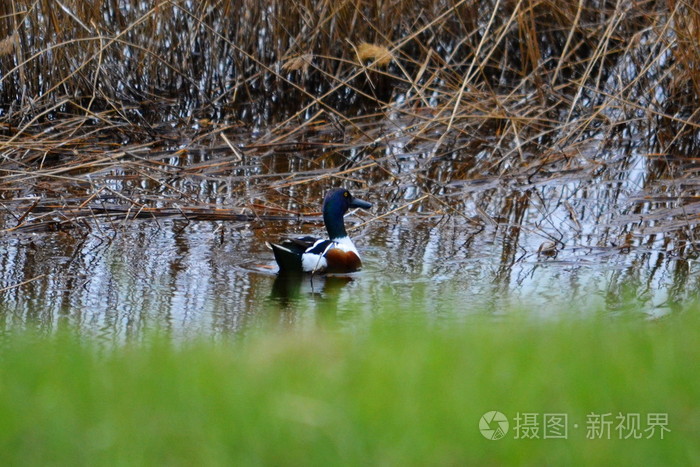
(335, 205)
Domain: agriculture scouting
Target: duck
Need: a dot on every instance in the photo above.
(337, 254)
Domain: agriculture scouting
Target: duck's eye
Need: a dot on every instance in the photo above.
(346, 194)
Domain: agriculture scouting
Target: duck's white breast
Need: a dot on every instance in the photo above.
(345, 244)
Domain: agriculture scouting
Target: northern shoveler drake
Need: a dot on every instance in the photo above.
(311, 254)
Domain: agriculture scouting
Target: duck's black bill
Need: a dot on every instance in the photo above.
(358, 203)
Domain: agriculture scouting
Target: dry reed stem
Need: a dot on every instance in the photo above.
(507, 80)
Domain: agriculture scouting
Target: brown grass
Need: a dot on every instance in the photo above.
(7, 45)
(220, 58)
(377, 54)
(506, 88)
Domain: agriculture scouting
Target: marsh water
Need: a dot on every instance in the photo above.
(600, 232)
(519, 161)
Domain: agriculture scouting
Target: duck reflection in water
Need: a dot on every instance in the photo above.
(289, 288)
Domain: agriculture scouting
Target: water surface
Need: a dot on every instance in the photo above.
(174, 240)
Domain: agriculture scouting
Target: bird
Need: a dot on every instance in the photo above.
(337, 254)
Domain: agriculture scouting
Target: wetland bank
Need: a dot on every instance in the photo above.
(531, 250)
(522, 154)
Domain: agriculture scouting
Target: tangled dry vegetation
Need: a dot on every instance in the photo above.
(505, 87)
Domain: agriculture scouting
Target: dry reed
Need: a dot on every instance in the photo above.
(90, 86)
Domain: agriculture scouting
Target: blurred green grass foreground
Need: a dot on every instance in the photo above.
(581, 392)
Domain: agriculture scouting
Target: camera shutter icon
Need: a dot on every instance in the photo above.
(493, 425)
